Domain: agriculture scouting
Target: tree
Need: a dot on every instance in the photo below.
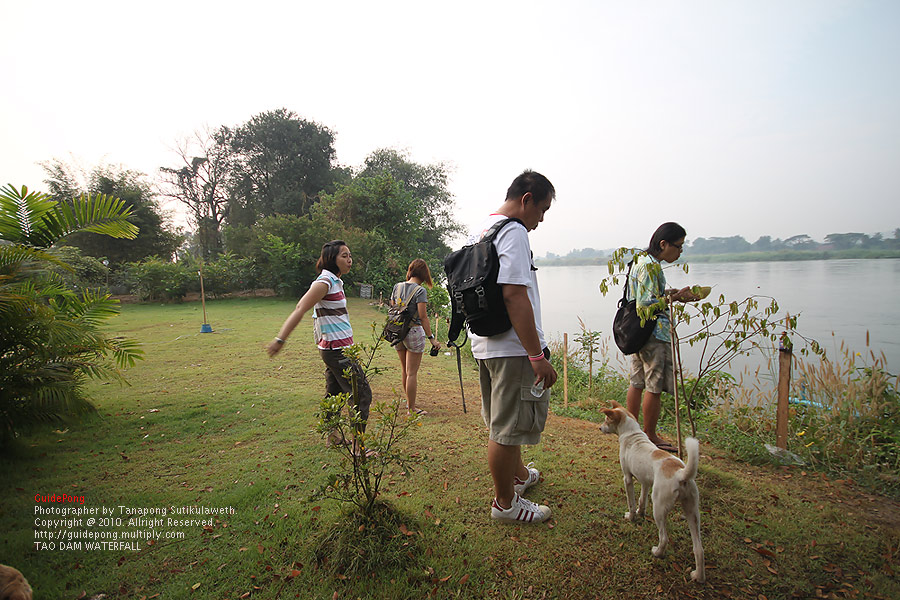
(155, 238)
(389, 225)
(427, 183)
(846, 241)
(720, 245)
(800, 242)
(51, 339)
(763, 244)
(282, 163)
(201, 184)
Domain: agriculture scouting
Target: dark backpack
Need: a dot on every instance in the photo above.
(629, 334)
(476, 299)
(399, 320)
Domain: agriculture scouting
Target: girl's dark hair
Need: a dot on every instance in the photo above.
(328, 258)
(419, 268)
(671, 232)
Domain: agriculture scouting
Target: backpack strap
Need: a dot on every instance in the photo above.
(492, 232)
(410, 297)
(624, 299)
(457, 320)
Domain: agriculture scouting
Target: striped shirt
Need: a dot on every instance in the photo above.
(332, 322)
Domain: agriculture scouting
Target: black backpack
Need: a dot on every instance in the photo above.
(399, 320)
(476, 299)
(628, 333)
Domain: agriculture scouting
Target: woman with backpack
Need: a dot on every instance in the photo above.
(651, 366)
(332, 328)
(411, 293)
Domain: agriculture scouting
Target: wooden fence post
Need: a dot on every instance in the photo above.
(784, 389)
(566, 370)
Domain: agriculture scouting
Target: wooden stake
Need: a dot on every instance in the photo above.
(784, 389)
(202, 296)
(566, 370)
(675, 379)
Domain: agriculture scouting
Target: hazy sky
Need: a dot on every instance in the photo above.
(734, 118)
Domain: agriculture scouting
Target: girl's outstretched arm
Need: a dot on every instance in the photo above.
(316, 292)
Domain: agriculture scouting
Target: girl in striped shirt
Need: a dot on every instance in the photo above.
(332, 327)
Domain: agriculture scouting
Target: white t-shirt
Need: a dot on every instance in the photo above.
(514, 251)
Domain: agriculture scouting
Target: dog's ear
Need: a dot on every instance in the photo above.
(609, 412)
(616, 404)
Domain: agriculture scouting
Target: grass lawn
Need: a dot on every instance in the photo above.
(210, 422)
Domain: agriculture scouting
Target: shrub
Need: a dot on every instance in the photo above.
(80, 272)
(155, 279)
(51, 340)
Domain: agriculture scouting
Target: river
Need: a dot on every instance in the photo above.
(835, 300)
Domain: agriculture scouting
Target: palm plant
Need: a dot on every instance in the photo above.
(50, 336)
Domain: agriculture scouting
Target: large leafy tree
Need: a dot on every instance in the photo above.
(393, 211)
(282, 162)
(51, 339)
(154, 237)
(391, 226)
(427, 183)
(201, 182)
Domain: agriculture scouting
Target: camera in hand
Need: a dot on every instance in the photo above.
(434, 351)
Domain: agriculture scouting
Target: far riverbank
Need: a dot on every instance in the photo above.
(777, 256)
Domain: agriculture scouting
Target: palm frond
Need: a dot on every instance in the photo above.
(15, 254)
(21, 213)
(102, 214)
(34, 219)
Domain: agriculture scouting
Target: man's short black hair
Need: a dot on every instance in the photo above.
(531, 181)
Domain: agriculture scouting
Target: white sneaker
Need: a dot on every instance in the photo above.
(533, 477)
(522, 511)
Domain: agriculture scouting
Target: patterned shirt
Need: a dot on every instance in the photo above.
(332, 322)
(647, 284)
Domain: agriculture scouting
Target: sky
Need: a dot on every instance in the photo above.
(731, 117)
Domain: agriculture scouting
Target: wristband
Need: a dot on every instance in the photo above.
(536, 357)
(431, 337)
(279, 340)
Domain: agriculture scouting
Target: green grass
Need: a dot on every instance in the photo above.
(210, 421)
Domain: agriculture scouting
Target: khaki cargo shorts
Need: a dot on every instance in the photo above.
(651, 367)
(512, 414)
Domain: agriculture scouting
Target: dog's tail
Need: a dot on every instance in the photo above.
(692, 446)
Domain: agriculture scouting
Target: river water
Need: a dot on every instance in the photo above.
(835, 301)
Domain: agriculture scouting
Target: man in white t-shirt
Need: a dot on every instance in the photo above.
(514, 370)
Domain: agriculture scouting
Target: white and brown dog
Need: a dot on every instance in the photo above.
(13, 585)
(670, 479)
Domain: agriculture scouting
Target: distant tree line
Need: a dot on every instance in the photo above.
(264, 195)
(797, 247)
(833, 241)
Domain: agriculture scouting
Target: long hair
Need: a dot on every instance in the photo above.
(419, 268)
(670, 232)
(328, 258)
